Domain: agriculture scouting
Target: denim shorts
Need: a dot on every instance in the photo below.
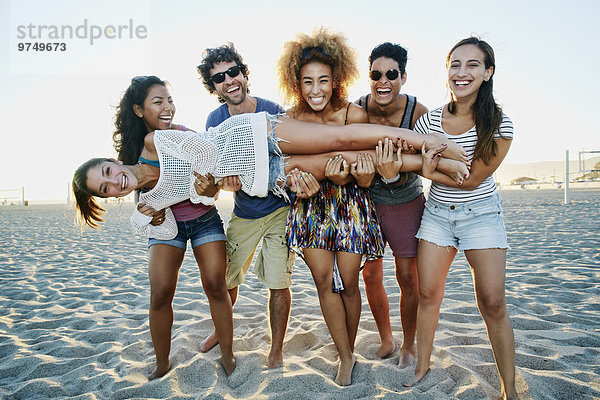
(205, 229)
(465, 226)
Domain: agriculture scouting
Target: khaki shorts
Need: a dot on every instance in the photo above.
(274, 261)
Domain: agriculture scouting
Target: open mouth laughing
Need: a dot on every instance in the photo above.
(383, 92)
(461, 83)
(317, 100)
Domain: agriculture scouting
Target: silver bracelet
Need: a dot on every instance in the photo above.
(392, 180)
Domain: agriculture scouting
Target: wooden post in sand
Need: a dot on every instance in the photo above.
(567, 179)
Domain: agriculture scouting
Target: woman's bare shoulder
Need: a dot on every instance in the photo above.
(357, 115)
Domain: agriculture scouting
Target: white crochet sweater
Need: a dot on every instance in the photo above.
(238, 146)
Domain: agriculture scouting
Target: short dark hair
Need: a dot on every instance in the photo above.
(210, 57)
(390, 50)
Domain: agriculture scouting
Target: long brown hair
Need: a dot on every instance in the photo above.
(130, 131)
(486, 112)
(89, 212)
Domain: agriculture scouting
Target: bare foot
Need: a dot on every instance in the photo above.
(228, 364)
(159, 371)
(406, 358)
(461, 171)
(418, 377)
(457, 170)
(454, 151)
(386, 349)
(210, 342)
(344, 374)
(275, 359)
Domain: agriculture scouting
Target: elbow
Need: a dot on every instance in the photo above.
(470, 185)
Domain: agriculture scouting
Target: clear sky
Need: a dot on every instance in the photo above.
(60, 105)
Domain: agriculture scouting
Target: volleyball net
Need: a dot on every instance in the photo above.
(588, 164)
(13, 197)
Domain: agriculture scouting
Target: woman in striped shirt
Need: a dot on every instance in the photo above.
(467, 216)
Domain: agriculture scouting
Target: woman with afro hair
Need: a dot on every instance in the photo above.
(338, 225)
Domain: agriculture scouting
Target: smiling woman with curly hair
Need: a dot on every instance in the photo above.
(324, 47)
(338, 226)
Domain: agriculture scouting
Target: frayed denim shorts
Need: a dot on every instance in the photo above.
(465, 226)
(276, 159)
(205, 229)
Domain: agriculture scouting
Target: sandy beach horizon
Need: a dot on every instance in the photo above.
(74, 317)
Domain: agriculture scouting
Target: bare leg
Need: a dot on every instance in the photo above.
(163, 268)
(488, 267)
(433, 263)
(320, 263)
(378, 302)
(212, 340)
(315, 163)
(408, 280)
(349, 267)
(280, 301)
(211, 261)
(300, 137)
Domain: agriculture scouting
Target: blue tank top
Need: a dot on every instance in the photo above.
(154, 163)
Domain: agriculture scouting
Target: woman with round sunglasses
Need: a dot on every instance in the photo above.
(398, 199)
(146, 106)
(467, 217)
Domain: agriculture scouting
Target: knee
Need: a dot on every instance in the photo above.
(350, 290)
(161, 297)
(371, 276)
(430, 296)
(408, 281)
(492, 307)
(214, 288)
(322, 280)
(279, 295)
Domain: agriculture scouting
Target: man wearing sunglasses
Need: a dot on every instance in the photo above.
(398, 199)
(254, 218)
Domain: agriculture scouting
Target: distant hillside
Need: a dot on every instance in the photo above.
(542, 171)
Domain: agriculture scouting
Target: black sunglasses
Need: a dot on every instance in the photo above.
(219, 77)
(307, 51)
(390, 74)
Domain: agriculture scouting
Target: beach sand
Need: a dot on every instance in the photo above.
(74, 317)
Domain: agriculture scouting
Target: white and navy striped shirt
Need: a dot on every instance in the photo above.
(432, 123)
